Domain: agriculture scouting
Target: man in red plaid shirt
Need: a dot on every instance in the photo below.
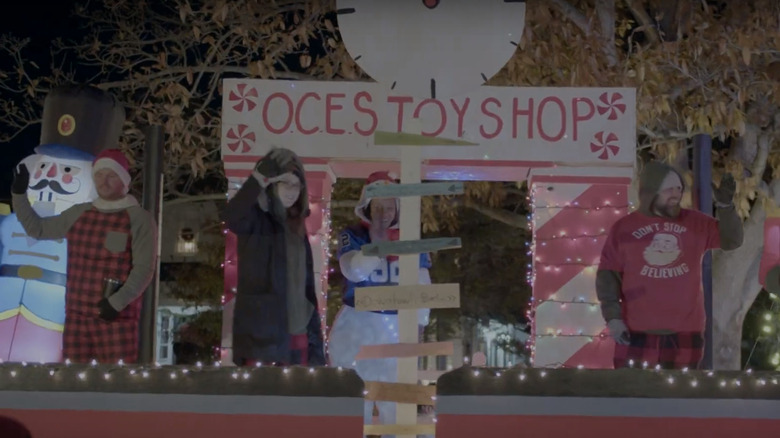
(110, 238)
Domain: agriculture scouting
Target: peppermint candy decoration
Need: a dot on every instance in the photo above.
(611, 105)
(604, 145)
(245, 98)
(242, 138)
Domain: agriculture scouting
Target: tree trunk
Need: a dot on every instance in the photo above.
(735, 287)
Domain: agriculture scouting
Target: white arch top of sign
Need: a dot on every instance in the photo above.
(431, 48)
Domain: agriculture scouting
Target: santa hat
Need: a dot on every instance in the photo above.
(376, 178)
(115, 160)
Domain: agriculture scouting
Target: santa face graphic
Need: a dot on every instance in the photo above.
(663, 250)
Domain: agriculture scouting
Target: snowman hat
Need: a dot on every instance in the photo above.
(375, 179)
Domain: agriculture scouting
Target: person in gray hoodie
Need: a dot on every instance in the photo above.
(276, 320)
(649, 279)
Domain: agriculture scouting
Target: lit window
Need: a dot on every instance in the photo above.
(187, 242)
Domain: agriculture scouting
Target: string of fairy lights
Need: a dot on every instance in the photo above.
(694, 379)
(538, 266)
(107, 372)
(325, 247)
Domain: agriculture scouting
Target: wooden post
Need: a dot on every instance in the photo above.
(702, 195)
(152, 201)
(409, 267)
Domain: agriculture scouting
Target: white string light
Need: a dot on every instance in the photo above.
(562, 261)
(725, 381)
(671, 378)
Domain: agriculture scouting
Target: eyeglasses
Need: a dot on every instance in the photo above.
(290, 185)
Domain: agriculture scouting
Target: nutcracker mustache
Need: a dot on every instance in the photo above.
(54, 185)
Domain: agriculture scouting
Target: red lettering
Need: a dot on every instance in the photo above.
(499, 122)
(526, 112)
(289, 119)
(298, 111)
(540, 118)
(401, 100)
(461, 112)
(442, 118)
(365, 110)
(330, 107)
(576, 118)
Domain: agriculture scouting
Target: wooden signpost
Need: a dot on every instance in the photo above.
(400, 247)
(431, 296)
(408, 297)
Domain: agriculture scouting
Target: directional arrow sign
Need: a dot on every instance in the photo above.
(422, 189)
(399, 247)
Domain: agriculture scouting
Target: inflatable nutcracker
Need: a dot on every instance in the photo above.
(78, 122)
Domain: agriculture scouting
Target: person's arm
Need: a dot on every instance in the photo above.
(355, 266)
(53, 227)
(46, 228)
(609, 278)
(730, 232)
(238, 214)
(730, 228)
(608, 286)
(143, 230)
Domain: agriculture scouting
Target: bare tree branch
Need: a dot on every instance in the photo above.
(606, 13)
(573, 14)
(637, 9)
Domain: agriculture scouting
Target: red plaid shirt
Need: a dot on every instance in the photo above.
(90, 261)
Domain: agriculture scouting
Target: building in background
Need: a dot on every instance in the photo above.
(191, 233)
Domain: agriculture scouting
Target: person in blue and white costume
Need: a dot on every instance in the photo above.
(353, 329)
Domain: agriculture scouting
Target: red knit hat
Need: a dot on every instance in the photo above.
(115, 160)
(376, 178)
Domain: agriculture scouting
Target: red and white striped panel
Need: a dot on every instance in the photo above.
(571, 219)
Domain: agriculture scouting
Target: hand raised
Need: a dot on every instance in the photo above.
(724, 194)
(21, 180)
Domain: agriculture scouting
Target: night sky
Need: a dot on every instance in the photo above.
(41, 21)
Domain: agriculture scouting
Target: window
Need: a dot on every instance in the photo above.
(187, 242)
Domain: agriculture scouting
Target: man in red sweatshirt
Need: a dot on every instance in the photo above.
(111, 238)
(649, 278)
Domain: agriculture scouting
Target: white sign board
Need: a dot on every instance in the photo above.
(362, 121)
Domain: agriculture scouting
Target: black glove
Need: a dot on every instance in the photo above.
(21, 180)
(107, 312)
(724, 194)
